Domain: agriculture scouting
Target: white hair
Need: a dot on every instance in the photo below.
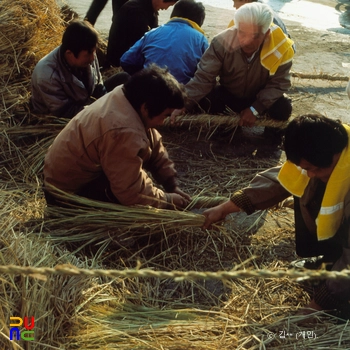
(254, 13)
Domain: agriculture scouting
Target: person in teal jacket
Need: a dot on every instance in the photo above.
(178, 45)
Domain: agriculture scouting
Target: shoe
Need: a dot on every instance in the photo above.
(312, 263)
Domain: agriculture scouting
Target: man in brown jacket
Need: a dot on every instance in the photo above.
(317, 174)
(105, 151)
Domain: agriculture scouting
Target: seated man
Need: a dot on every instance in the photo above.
(181, 37)
(317, 173)
(252, 63)
(130, 23)
(69, 78)
(105, 151)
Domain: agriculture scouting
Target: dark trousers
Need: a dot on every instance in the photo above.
(217, 101)
(97, 6)
(116, 80)
(307, 244)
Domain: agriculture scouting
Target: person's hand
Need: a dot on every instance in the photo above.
(178, 201)
(175, 113)
(182, 193)
(213, 215)
(219, 213)
(247, 118)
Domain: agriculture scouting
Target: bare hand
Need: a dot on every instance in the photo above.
(213, 215)
(219, 213)
(182, 193)
(178, 201)
(175, 113)
(247, 118)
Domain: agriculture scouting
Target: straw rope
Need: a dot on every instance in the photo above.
(230, 121)
(319, 76)
(70, 270)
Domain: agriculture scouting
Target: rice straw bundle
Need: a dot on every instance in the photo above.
(88, 220)
(29, 29)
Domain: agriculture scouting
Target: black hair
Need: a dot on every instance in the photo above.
(314, 138)
(155, 87)
(79, 36)
(190, 9)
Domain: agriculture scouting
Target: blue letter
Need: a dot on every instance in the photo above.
(17, 333)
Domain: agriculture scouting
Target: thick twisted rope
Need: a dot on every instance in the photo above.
(230, 121)
(70, 270)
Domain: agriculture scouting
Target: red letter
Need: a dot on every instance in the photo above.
(31, 326)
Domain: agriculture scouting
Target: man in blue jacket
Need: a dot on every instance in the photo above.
(177, 45)
(130, 23)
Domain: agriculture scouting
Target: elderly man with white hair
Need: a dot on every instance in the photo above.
(246, 68)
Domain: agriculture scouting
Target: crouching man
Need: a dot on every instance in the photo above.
(106, 151)
(317, 174)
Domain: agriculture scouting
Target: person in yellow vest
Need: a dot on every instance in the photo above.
(246, 68)
(317, 174)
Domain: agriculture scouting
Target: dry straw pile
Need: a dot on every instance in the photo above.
(93, 312)
(28, 30)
